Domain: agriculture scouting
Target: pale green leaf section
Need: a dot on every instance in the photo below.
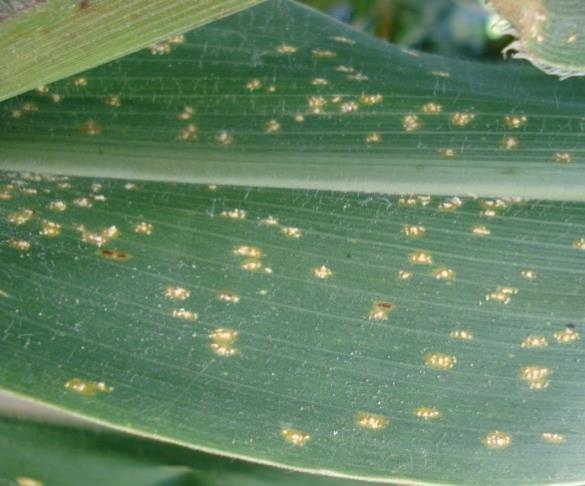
(281, 96)
(397, 339)
(549, 33)
(58, 38)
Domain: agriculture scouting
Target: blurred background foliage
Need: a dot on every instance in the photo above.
(459, 28)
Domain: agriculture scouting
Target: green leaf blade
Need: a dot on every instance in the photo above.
(310, 352)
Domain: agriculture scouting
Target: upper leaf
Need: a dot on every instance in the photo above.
(281, 96)
(41, 42)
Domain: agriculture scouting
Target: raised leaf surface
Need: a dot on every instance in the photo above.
(281, 96)
(43, 41)
(549, 33)
(397, 339)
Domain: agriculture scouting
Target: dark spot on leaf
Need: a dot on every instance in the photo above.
(114, 254)
(384, 305)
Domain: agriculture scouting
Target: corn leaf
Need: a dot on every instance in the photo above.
(371, 336)
(236, 265)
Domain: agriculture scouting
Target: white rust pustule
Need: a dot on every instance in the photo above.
(114, 101)
(502, 295)
(223, 342)
(444, 273)
(26, 481)
(450, 204)
(99, 238)
(579, 244)
(515, 121)
(567, 336)
(248, 251)
(461, 334)
(20, 245)
(497, 440)
(420, 258)
(432, 108)
(144, 228)
(21, 217)
(187, 113)
(427, 413)
(83, 202)
(185, 315)
(174, 292)
(229, 297)
(373, 137)
(553, 438)
(291, 232)
(91, 128)
(462, 119)
(285, 48)
(371, 421)
(58, 206)
(295, 437)
(86, 387)
(440, 361)
(234, 213)
(323, 53)
(411, 123)
(50, 229)
(323, 272)
(534, 341)
(413, 230)
(481, 230)
(537, 377)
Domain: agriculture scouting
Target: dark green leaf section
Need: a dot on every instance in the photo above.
(55, 455)
(550, 33)
(44, 41)
(281, 96)
(62, 456)
(464, 343)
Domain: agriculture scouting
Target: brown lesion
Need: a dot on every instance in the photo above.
(114, 254)
(380, 310)
(84, 4)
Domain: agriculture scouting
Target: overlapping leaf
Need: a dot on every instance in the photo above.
(549, 33)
